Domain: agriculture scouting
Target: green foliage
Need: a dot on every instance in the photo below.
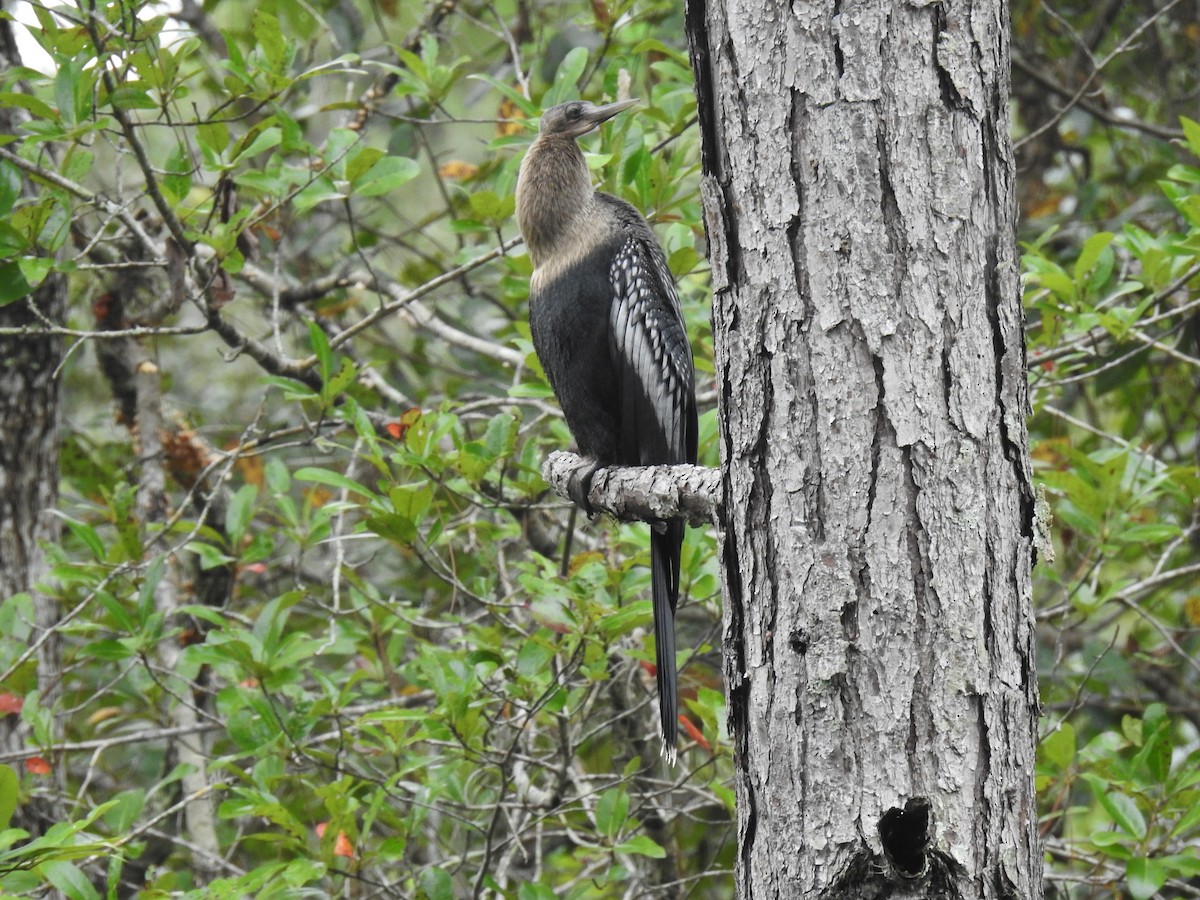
(354, 582)
(1112, 276)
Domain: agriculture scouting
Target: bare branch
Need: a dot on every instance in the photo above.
(402, 299)
(1077, 97)
(1109, 118)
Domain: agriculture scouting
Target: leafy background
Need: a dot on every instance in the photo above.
(324, 630)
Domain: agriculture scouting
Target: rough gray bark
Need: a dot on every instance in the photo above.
(859, 200)
(641, 493)
(29, 444)
(28, 440)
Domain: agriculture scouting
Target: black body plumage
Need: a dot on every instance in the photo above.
(608, 331)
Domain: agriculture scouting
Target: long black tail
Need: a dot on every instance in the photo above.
(664, 575)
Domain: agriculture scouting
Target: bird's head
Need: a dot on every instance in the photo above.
(578, 117)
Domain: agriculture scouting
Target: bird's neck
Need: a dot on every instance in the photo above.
(554, 195)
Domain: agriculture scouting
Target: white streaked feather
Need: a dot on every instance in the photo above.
(641, 320)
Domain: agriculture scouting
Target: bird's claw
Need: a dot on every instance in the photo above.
(579, 485)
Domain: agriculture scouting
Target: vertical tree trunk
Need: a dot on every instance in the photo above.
(29, 442)
(859, 199)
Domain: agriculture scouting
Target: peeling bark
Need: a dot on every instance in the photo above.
(878, 540)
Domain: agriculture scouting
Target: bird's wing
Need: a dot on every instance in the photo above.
(657, 424)
(652, 359)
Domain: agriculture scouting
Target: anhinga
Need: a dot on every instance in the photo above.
(607, 328)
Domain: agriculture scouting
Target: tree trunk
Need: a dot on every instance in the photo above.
(29, 441)
(877, 549)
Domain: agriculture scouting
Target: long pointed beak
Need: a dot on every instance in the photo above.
(606, 112)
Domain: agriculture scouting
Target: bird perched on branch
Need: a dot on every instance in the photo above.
(607, 328)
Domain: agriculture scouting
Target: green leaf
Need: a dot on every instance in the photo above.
(119, 612)
(9, 784)
(1155, 756)
(333, 388)
(10, 187)
(1144, 877)
(34, 269)
(321, 350)
(530, 891)
(1090, 254)
(683, 261)
(269, 39)
(1132, 729)
(642, 846)
(207, 613)
(13, 285)
(28, 102)
(1191, 132)
(1189, 820)
(1057, 282)
(1183, 864)
(78, 163)
(535, 655)
(1122, 808)
(213, 137)
(411, 500)
(501, 436)
(154, 575)
(279, 480)
(127, 806)
(566, 79)
(554, 612)
(1058, 748)
(435, 884)
(113, 650)
(303, 871)
(1186, 174)
(1147, 534)
(68, 85)
(492, 207)
(362, 161)
(69, 879)
(265, 140)
(131, 98)
(612, 810)
(624, 620)
(392, 527)
(332, 479)
(210, 556)
(320, 191)
(239, 512)
(88, 537)
(386, 175)
(177, 180)
(1113, 842)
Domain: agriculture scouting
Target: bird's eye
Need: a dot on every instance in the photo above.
(574, 111)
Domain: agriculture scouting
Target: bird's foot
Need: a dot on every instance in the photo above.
(579, 485)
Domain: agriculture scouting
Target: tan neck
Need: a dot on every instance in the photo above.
(554, 190)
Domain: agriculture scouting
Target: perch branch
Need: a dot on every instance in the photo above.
(643, 493)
